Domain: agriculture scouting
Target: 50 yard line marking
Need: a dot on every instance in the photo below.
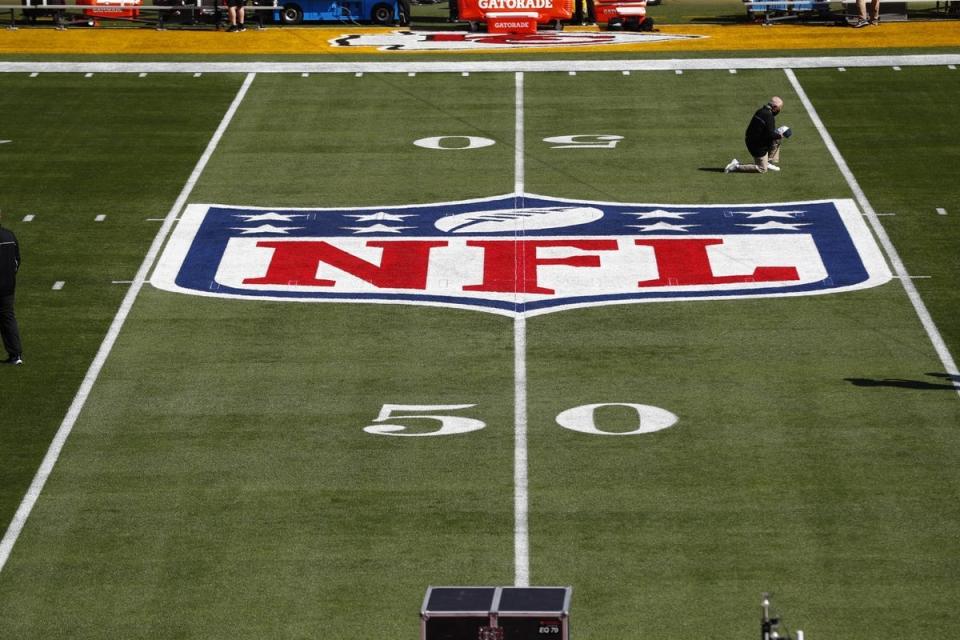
(926, 319)
(80, 399)
(521, 533)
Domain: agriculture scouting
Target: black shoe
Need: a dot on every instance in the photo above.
(13, 360)
(241, 27)
(233, 28)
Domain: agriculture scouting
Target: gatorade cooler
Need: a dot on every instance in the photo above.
(111, 8)
(512, 22)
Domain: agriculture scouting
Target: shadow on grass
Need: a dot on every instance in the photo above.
(952, 382)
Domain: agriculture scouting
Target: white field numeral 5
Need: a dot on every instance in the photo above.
(584, 142)
(459, 143)
(391, 416)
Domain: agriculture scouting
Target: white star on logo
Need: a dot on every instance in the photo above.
(770, 213)
(264, 228)
(377, 228)
(659, 213)
(272, 217)
(773, 225)
(383, 216)
(662, 226)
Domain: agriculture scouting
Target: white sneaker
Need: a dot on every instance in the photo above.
(772, 167)
(732, 166)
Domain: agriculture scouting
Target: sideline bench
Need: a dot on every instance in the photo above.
(64, 15)
(770, 11)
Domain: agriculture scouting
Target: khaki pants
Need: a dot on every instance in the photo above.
(761, 163)
(874, 9)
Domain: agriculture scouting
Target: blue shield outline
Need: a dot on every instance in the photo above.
(849, 254)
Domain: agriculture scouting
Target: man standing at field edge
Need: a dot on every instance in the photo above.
(9, 265)
(763, 140)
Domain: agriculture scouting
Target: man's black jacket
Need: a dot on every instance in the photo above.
(9, 261)
(761, 132)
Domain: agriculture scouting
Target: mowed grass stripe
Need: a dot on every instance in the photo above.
(79, 401)
(237, 455)
(903, 155)
(943, 352)
(76, 152)
(782, 474)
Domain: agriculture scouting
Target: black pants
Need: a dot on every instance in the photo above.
(8, 327)
(578, 14)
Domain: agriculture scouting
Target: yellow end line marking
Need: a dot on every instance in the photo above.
(316, 40)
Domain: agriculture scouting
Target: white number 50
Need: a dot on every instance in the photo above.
(391, 414)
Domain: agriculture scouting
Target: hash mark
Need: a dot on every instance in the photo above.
(58, 285)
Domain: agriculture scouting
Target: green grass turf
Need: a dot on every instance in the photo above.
(219, 483)
(904, 155)
(121, 146)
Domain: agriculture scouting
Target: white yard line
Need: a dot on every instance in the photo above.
(949, 365)
(521, 532)
(492, 66)
(73, 413)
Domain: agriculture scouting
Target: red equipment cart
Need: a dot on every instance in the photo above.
(623, 14)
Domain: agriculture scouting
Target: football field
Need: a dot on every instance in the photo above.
(299, 345)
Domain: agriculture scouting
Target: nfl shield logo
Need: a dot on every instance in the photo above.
(521, 254)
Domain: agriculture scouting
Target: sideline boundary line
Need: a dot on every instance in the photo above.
(926, 319)
(80, 399)
(493, 66)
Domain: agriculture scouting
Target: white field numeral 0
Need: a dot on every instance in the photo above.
(649, 419)
(392, 419)
(392, 416)
(445, 143)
